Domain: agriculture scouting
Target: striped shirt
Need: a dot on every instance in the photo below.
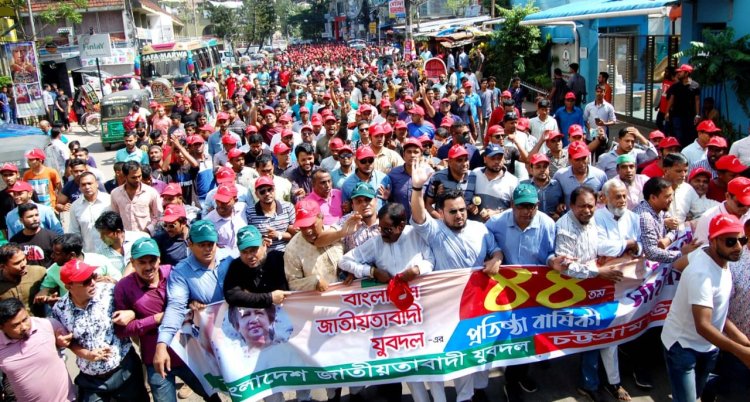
(279, 221)
(577, 240)
(653, 229)
(705, 165)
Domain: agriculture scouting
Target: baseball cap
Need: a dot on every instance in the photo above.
(222, 116)
(266, 111)
(336, 144)
(36, 153)
(699, 170)
(363, 189)
(467, 84)
(330, 117)
(76, 271)
(173, 212)
(172, 189)
(228, 139)
(447, 122)
(730, 163)
(655, 134)
(510, 116)
(264, 181)
(717, 141)
(9, 167)
(19, 186)
(225, 175)
(493, 149)
(686, 68)
(207, 127)
(414, 142)
(570, 95)
(417, 110)
(523, 124)
(506, 94)
(445, 100)
(400, 124)
(707, 126)
(669, 142)
(195, 139)
(248, 236)
(281, 148)
(364, 108)
(287, 133)
(234, 152)
(457, 151)
(740, 188)
(626, 158)
(143, 247)
(251, 129)
(304, 109)
(578, 149)
(364, 152)
(525, 193)
(724, 224)
(387, 128)
(495, 129)
(376, 130)
(385, 103)
(346, 149)
(285, 118)
(225, 193)
(575, 129)
(553, 134)
(202, 231)
(538, 158)
(306, 213)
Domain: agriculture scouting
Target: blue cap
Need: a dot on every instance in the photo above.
(493, 149)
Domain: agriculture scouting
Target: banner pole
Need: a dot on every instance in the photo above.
(99, 72)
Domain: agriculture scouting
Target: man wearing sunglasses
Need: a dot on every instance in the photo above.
(110, 367)
(736, 204)
(366, 172)
(697, 327)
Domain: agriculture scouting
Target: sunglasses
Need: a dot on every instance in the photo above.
(465, 132)
(498, 137)
(367, 161)
(264, 191)
(457, 211)
(92, 278)
(347, 155)
(732, 241)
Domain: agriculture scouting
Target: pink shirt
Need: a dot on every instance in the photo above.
(142, 212)
(330, 208)
(35, 370)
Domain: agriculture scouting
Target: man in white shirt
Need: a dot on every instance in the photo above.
(685, 199)
(543, 122)
(741, 149)
(599, 113)
(737, 204)
(697, 327)
(697, 150)
(86, 209)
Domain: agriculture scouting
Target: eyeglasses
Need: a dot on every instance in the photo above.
(498, 137)
(367, 161)
(169, 225)
(92, 278)
(457, 211)
(465, 132)
(347, 155)
(264, 191)
(732, 241)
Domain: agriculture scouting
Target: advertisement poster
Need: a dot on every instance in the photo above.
(461, 321)
(27, 89)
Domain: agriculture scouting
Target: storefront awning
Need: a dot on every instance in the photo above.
(595, 9)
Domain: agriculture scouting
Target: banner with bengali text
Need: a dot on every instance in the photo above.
(461, 321)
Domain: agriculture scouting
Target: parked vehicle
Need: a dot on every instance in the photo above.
(114, 108)
(17, 139)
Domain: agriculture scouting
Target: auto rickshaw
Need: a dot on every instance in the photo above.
(163, 93)
(115, 107)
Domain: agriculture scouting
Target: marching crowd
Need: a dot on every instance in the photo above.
(320, 166)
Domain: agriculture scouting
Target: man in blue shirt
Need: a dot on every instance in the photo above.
(131, 152)
(579, 173)
(568, 115)
(198, 279)
(526, 236)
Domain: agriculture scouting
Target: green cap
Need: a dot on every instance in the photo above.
(202, 231)
(144, 246)
(363, 189)
(249, 236)
(627, 158)
(525, 193)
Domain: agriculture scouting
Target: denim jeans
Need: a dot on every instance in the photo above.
(590, 370)
(163, 389)
(125, 384)
(688, 371)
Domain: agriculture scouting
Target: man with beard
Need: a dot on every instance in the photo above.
(134, 198)
(737, 203)
(144, 294)
(22, 192)
(35, 240)
(172, 241)
(627, 176)
(86, 209)
(456, 177)
(301, 176)
(254, 147)
(618, 227)
(697, 327)
(716, 148)
(400, 176)
(549, 191)
(365, 172)
(494, 185)
(455, 242)
(18, 279)
(626, 145)
(385, 158)
(155, 156)
(270, 127)
(579, 173)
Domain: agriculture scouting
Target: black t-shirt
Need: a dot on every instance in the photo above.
(184, 175)
(252, 287)
(173, 249)
(190, 117)
(684, 98)
(6, 205)
(37, 247)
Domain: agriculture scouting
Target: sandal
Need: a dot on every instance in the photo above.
(618, 392)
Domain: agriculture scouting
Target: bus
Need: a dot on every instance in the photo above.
(180, 61)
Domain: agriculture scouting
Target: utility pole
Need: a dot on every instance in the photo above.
(31, 19)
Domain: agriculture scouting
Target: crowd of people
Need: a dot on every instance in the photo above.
(318, 167)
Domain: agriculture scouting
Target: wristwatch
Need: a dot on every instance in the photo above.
(279, 236)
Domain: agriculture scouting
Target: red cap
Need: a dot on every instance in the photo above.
(376, 130)
(195, 139)
(207, 127)
(399, 124)
(655, 134)
(172, 189)
(76, 270)
(506, 94)
(36, 153)
(685, 67)
(417, 110)
(522, 124)
(306, 213)
(669, 142)
(316, 121)
(251, 129)
(304, 109)
(19, 186)
(286, 133)
(225, 175)
(266, 111)
(385, 103)
(228, 139)
(717, 141)
(457, 151)
(264, 181)
(284, 118)
(281, 148)
(538, 158)
(707, 126)
(364, 108)
(570, 95)
(364, 152)
(9, 167)
(326, 96)
(495, 129)
(552, 135)
(445, 100)
(740, 188)
(186, 98)
(414, 142)
(234, 152)
(578, 149)
(467, 84)
(447, 122)
(697, 171)
(173, 212)
(575, 129)
(330, 117)
(387, 128)
(222, 116)
(408, 98)
(425, 140)
(724, 224)
(225, 193)
(345, 149)
(730, 163)
(336, 144)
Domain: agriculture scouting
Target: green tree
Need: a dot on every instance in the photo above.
(513, 44)
(722, 60)
(60, 11)
(260, 21)
(224, 21)
(310, 21)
